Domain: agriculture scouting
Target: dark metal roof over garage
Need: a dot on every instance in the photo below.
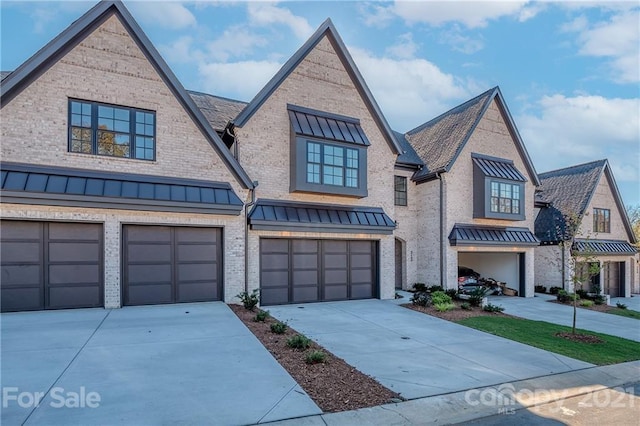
(323, 125)
(604, 247)
(476, 235)
(29, 184)
(306, 217)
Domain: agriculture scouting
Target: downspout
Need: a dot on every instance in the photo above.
(442, 230)
(563, 265)
(246, 235)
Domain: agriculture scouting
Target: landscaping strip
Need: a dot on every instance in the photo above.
(333, 384)
(628, 313)
(540, 334)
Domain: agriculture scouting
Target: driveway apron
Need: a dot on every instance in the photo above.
(173, 364)
(540, 309)
(415, 354)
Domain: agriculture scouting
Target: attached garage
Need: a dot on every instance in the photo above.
(164, 264)
(50, 265)
(614, 278)
(306, 270)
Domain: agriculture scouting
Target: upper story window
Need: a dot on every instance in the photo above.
(602, 220)
(498, 189)
(328, 153)
(110, 130)
(400, 190)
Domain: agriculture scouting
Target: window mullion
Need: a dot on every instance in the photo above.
(132, 133)
(94, 128)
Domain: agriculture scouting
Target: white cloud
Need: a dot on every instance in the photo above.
(235, 41)
(461, 43)
(240, 80)
(266, 14)
(375, 15)
(171, 15)
(416, 92)
(571, 130)
(471, 14)
(404, 48)
(180, 51)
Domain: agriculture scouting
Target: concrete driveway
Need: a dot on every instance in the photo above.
(540, 309)
(172, 364)
(415, 354)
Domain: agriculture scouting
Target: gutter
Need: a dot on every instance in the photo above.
(438, 175)
(246, 235)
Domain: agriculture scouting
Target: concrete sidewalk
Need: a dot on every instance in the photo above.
(540, 309)
(415, 354)
(505, 399)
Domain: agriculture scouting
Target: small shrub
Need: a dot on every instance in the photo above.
(278, 327)
(476, 295)
(420, 287)
(554, 290)
(582, 293)
(435, 288)
(586, 303)
(493, 308)
(540, 289)
(261, 316)
(465, 306)
(621, 305)
(315, 357)
(599, 299)
(299, 341)
(249, 300)
(452, 293)
(564, 297)
(421, 298)
(440, 297)
(444, 307)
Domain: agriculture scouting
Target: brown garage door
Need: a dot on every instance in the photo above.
(48, 265)
(164, 264)
(297, 271)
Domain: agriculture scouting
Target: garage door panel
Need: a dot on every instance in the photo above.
(335, 246)
(274, 261)
(71, 231)
(197, 272)
(22, 299)
(361, 276)
(274, 296)
(333, 292)
(19, 252)
(150, 294)
(148, 273)
(361, 291)
(197, 292)
(197, 252)
(305, 261)
(361, 261)
(335, 260)
(21, 230)
(73, 274)
(361, 247)
(148, 234)
(304, 246)
(21, 275)
(149, 253)
(74, 252)
(305, 294)
(274, 246)
(305, 278)
(195, 235)
(335, 277)
(74, 297)
(275, 278)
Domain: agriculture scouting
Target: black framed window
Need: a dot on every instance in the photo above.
(505, 198)
(602, 220)
(400, 190)
(110, 130)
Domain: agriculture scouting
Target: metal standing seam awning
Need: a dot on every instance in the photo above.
(604, 247)
(306, 217)
(324, 125)
(478, 235)
(48, 185)
(498, 168)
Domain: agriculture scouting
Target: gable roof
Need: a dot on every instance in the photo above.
(440, 141)
(569, 192)
(217, 110)
(42, 60)
(326, 29)
(409, 157)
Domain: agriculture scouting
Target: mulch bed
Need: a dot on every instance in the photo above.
(594, 307)
(333, 385)
(455, 314)
(582, 338)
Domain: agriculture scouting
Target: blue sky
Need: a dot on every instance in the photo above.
(569, 71)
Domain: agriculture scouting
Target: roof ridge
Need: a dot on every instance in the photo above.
(198, 92)
(555, 172)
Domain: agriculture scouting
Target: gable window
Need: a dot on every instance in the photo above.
(400, 190)
(328, 153)
(498, 189)
(113, 131)
(602, 220)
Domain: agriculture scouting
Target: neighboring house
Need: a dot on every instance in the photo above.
(116, 190)
(586, 194)
(474, 197)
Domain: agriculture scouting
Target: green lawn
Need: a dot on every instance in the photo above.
(629, 313)
(541, 334)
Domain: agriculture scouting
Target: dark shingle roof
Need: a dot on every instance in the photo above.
(217, 110)
(308, 217)
(437, 142)
(3, 74)
(30, 184)
(409, 157)
(569, 191)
